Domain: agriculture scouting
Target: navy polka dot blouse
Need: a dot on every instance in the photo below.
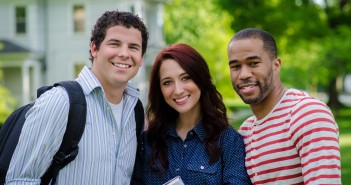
(189, 160)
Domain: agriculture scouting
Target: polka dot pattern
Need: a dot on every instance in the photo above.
(189, 160)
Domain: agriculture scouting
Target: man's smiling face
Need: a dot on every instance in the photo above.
(119, 56)
(251, 70)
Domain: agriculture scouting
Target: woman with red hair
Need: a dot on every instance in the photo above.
(188, 134)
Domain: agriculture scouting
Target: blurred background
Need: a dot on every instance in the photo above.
(44, 41)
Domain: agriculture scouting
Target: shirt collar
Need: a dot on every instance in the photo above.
(90, 82)
(198, 130)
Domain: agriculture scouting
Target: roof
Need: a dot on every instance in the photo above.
(10, 47)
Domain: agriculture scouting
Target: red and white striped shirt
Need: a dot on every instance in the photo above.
(296, 143)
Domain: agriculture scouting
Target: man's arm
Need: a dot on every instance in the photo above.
(316, 136)
(40, 138)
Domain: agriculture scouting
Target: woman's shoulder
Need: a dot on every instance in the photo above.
(230, 139)
(230, 133)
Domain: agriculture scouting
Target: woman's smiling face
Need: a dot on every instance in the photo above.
(178, 89)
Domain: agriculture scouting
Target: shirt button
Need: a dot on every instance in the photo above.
(177, 169)
(202, 167)
(185, 145)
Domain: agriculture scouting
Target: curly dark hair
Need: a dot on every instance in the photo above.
(114, 18)
(161, 116)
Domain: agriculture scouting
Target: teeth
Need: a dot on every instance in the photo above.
(248, 87)
(125, 66)
(181, 99)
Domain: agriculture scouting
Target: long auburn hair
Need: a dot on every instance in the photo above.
(161, 116)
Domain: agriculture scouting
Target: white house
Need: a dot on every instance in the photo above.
(45, 41)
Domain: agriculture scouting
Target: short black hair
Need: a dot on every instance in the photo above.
(269, 44)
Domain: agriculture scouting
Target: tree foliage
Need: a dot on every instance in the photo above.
(313, 38)
(7, 103)
(207, 29)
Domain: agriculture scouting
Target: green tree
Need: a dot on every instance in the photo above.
(7, 103)
(312, 38)
(207, 29)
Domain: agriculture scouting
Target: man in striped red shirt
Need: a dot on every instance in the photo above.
(292, 138)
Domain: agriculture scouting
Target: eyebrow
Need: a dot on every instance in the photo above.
(132, 44)
(135, 45)
(113, 40)
(247, 58)
(253, 57)
(163, 79)
(167, 78)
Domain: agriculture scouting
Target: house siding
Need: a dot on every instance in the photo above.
(56, 48)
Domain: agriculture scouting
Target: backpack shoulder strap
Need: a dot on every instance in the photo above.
(139, 121)
(139, 118)
(74, 131)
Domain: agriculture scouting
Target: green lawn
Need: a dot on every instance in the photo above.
(345, 149)
(343, 118)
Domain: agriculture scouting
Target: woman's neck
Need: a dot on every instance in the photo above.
(185, 123)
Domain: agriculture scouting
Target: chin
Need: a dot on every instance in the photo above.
(181, 110)
(250, 100)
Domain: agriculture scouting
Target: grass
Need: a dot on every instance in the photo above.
(343, 119)
(345, 149)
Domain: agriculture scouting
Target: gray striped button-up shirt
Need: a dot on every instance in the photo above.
(106, 156)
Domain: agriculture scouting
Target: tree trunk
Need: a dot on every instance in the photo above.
(333, 94)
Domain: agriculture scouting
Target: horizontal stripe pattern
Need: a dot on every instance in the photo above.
(106, 156)
(296, 143)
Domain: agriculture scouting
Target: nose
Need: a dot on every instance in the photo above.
(245, 73)
(123, 52)
(178, 88)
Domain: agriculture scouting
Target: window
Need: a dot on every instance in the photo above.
(78, 19)
(21, 25)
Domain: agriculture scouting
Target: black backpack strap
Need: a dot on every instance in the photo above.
(139, 118)
(74, 131)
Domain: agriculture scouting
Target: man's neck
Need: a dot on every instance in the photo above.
(263, 108)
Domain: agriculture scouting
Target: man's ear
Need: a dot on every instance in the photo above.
(142, 60)
(277, 64)
(93, 49)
